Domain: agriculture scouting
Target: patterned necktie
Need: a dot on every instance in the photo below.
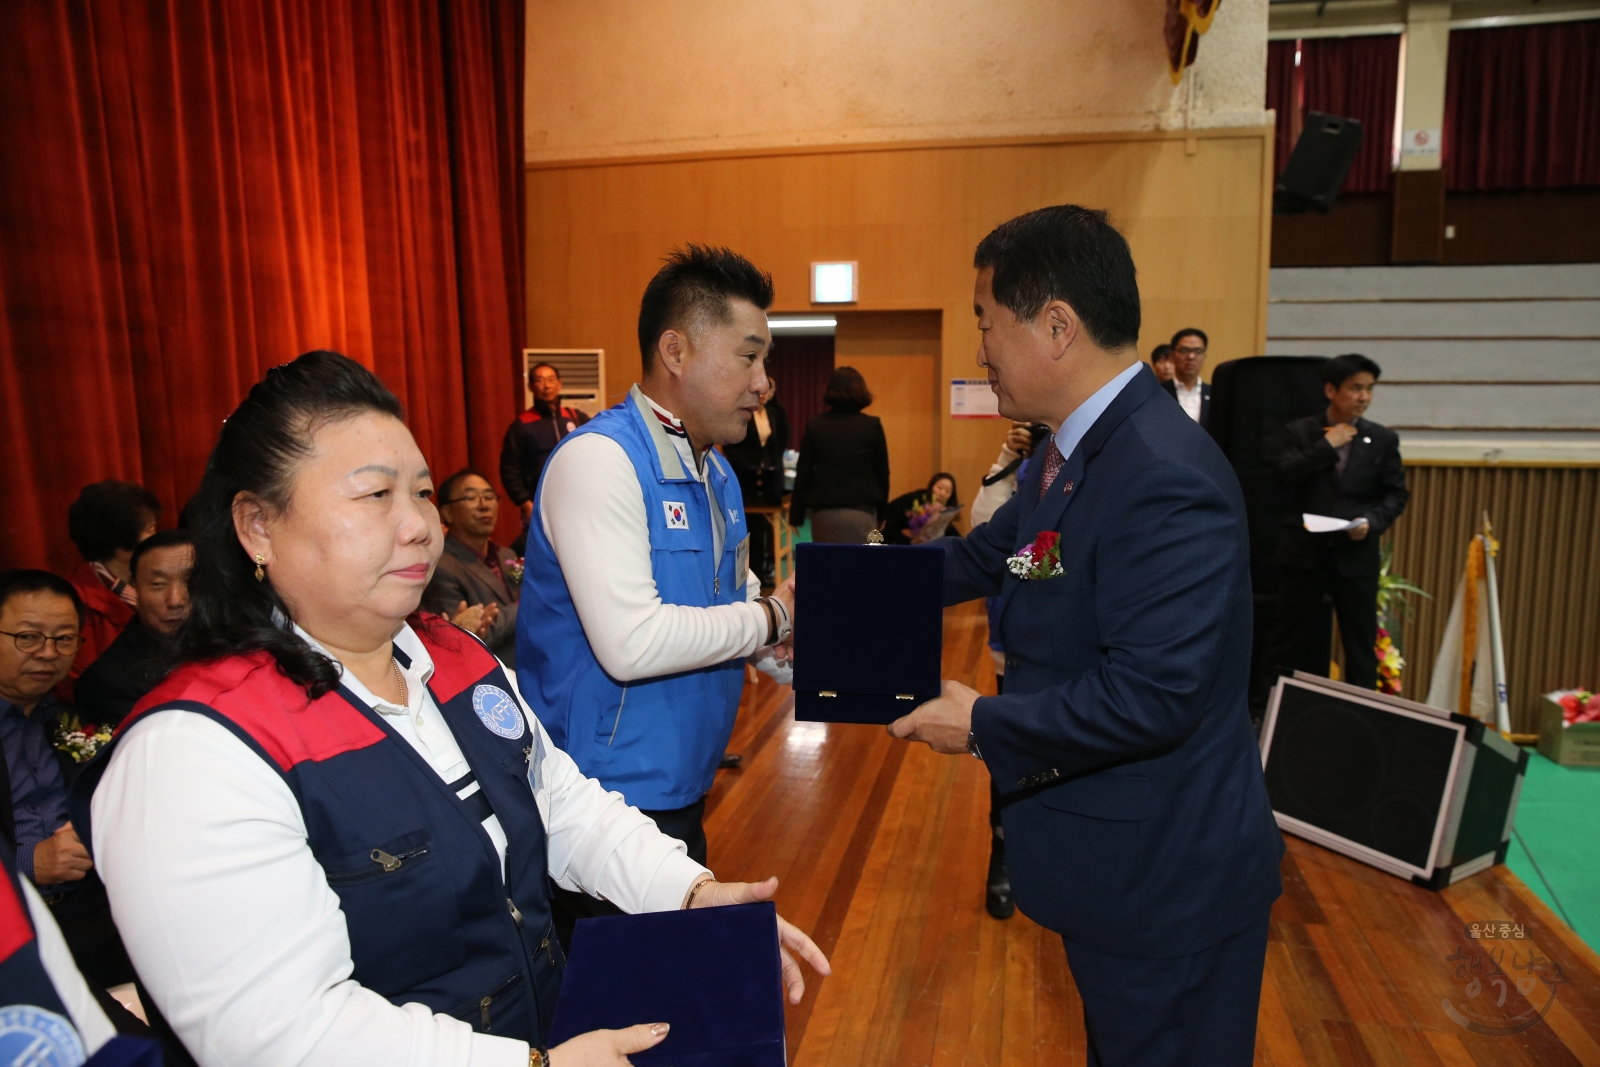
(1052, 467)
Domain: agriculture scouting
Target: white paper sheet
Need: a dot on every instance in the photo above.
(1327, 523)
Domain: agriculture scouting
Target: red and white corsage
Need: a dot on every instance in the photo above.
(1042, 559)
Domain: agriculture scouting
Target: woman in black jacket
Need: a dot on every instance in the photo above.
(843, 473)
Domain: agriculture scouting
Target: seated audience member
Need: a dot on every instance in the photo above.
(1188, 356)
(1161, 363)
(40, 619)
(106, 522)
(1337, 464)
(477, 582)
(131, 666)
(331, 835)
(534, 435)
(842, 477)
(908, 513)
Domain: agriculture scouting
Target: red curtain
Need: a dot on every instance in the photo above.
(1283, 96)
(802, 366)
(198, 190)
(1357, 78)
(1522, 107)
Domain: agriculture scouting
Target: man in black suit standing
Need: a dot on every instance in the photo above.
(1137, 823)
(1340, 465)
(1188, 356)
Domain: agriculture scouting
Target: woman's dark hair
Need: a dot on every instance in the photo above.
(847, 390)
(261, 446)
(1067, 253)
(109, 516)
(1341, 369)
(954, 501)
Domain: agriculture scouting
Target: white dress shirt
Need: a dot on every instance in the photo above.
(229, 918)
(592, 510)
(1189, 398)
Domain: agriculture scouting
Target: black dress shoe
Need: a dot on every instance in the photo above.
(997, 898)
(730, 760)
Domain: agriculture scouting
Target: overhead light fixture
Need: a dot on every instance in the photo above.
(833, 283)
(801, 324)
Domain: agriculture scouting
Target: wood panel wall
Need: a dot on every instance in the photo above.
(1195, 208)
(1547, 520)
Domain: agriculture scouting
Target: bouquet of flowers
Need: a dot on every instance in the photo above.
(1578, 705)
(79, 740)
(1390, 664)
(513, 569)
(1042, 559)
(922, 516)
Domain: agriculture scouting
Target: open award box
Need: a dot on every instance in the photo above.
(869, 631)
(1423, 793)
(713, 974)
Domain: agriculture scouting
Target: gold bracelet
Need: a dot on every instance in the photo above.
(694, 890)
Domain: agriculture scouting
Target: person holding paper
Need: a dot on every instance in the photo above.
(1340, 466)
(1137, 822)
(328, 836)
(639, 610)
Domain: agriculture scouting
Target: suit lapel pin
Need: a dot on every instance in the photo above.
(1366, 440)
(1067, 488)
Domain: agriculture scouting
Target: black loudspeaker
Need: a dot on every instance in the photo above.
(1252, 400)
(1317, 167)
(1422, 793)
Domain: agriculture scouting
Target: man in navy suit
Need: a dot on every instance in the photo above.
(1137, 822)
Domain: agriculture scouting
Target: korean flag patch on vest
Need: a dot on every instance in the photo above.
(677, 515)
(498, 711)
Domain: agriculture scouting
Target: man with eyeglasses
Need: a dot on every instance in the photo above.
(477, 582)
(1188, 356)
(41, 620)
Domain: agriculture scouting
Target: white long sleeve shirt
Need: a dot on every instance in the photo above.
(592, 510)
(232, 925)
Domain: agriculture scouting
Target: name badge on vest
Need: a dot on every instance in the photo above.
(498, 711)
(677, 515)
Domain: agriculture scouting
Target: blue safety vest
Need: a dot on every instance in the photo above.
(432, 920)
(657, 741)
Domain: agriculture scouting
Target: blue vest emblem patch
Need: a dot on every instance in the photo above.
(498, 711)
(37, 1037)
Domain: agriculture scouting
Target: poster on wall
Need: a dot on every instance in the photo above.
(972, 398)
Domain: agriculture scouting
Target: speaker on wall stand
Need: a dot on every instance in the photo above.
(1318, 165)
(1422, 793)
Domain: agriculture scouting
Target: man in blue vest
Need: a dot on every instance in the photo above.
(639, 610)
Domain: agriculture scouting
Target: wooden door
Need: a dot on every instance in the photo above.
(897, 352)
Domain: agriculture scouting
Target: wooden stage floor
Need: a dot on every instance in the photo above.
(882, 849)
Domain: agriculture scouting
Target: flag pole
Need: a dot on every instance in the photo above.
(1497, 647)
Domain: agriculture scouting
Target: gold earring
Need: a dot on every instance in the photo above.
(261, 569)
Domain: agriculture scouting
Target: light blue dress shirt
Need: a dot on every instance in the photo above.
(1080, 420)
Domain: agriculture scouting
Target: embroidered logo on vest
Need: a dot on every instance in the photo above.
(677, 515)
(34, 1036)
(498, 711)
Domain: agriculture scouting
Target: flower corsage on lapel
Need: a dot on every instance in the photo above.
(1042, 559)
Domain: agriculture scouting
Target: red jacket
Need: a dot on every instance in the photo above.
(104, 616)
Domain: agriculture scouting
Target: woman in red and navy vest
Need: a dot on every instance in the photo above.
(329, 836)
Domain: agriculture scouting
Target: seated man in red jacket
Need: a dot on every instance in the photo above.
(106, 522)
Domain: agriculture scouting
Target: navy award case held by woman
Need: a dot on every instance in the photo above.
(713, 974)
(869, 631)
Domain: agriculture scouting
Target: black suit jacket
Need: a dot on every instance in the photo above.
(844, 463)
(748, 456)
(1372, 486)
(1205, 400)
(120, 676)
(461, 575)
(1137, 820)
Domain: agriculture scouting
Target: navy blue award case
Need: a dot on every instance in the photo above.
(869, 630)
(713, 974)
